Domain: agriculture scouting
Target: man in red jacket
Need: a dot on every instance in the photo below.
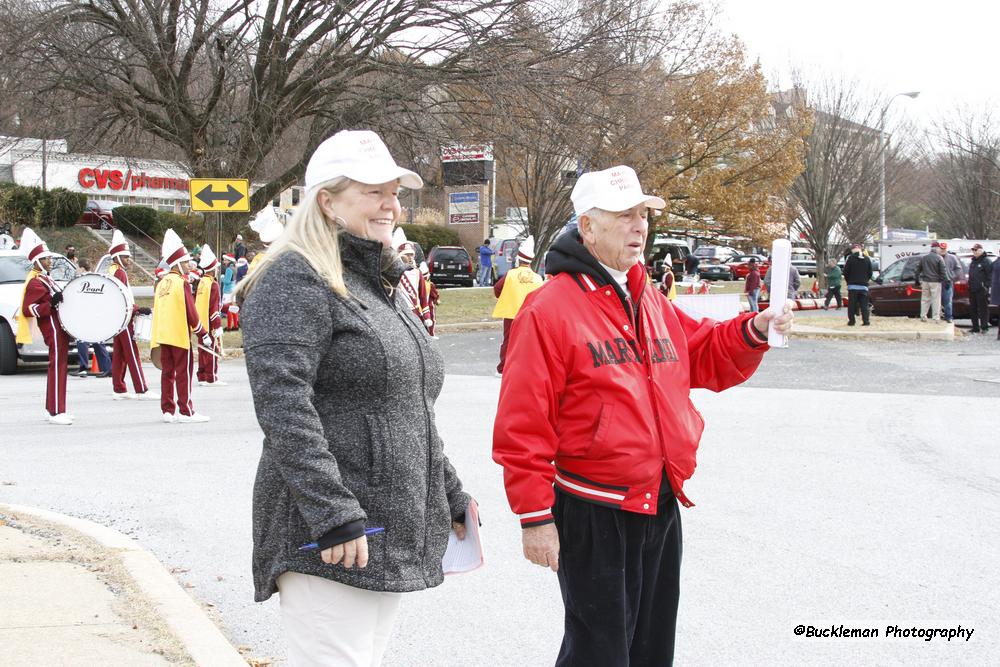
(595, 429)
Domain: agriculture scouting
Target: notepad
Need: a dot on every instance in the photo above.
(465, 555)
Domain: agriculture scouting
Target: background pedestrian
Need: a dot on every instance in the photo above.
(485, 264)
(834, 277)
(981, 272)
(857, 274)
(752, 286)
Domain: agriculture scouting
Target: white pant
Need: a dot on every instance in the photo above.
(331, 624)
(930, 295)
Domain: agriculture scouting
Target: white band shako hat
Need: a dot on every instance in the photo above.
(526, 251)
(119, 246)
(33, 247)
(267, 226)
(208, 260)
(173, 250)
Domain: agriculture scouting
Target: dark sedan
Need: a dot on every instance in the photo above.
(895, 292)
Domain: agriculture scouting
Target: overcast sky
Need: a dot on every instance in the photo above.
(946, 50)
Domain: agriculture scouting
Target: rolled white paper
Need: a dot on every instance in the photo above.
(781, 261)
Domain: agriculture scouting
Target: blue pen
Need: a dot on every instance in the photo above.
(313, 546)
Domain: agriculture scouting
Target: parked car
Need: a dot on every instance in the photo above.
(804, 262)
(14, 268)
(451, 265)
(895, 291)
(712, 262)
(99, 214)
(739, 266)
(667, 253)
(505, 251)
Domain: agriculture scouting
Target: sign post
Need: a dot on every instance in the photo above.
(220, 195)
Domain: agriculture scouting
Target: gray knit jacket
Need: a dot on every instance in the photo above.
(344, 389)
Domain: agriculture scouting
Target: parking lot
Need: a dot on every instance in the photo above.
(846, 483)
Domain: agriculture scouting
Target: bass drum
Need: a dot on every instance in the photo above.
(95, 307)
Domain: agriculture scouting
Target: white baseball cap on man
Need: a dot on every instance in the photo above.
(361, 156)
(615, 189)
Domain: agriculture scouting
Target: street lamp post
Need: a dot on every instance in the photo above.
(883, 232)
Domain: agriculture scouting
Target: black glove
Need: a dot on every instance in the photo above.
(56, 299)
(145, 311)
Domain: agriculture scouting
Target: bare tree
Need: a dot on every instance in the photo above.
(837, 195)
(965, 174)
(248, 88)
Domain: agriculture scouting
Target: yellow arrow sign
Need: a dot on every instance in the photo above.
(220, 195)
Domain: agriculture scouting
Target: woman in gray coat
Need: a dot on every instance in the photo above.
(344, 380)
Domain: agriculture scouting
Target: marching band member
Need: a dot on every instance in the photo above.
(268, 228)
(126, 352)
(175, 318)
(42, 297)
(412, 283)
(433, 297)
(207, 302)
(511, 291)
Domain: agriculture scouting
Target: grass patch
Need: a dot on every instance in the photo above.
(466, 305)
(877, 323)
(87, 245)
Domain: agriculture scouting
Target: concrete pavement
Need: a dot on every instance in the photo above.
(77, 593)
(874, 508)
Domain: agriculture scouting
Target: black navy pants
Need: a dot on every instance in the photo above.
(857, 302)
(979, 310)
(619, 573)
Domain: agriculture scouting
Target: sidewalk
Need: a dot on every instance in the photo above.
(78, 593)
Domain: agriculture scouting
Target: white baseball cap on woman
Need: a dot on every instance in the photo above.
(615, 189)
(361, 156)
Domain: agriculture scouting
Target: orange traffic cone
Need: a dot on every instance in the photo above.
(94, 368)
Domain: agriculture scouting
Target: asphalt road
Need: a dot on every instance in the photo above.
(846, 483)
(938, 368)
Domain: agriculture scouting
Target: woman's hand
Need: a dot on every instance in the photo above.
(350, 553)
(782, 323)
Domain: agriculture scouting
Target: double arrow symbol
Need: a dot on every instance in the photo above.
(209, 196)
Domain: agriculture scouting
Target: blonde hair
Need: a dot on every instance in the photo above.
(311, 234)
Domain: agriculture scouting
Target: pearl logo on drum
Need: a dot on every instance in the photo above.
(86, 288)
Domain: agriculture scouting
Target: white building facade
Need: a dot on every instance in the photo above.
(159, 184)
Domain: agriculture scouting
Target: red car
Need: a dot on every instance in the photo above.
(98, 214)
(895, 293)
(740, 266)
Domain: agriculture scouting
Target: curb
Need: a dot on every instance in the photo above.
(806, 331)
(470, 326)
(199, 636)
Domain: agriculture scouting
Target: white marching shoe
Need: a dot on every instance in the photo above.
(146, 397)
(62, 419)
(192, 418)
(124, 396)
(168, 418)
